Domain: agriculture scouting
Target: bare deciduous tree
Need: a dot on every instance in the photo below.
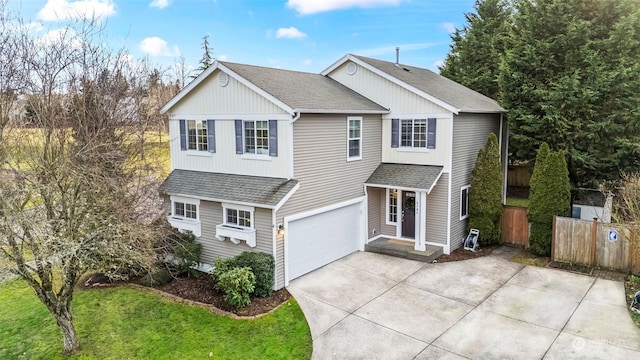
(76, 194)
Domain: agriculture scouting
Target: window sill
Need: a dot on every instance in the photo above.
(464, 217)
(417, 150)
(236, 234)
(392, 223)
(355, 158)
(198, 153)
(185, 224)
(256, 157)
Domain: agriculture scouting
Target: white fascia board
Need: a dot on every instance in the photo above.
(332, 111)
(395, 187)
(203, 75)
(257, 89)
(262, 206)
(286, 197)
(436, 181)
(230, 117)
(393, 79)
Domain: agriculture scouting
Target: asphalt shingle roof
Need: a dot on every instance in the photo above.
(305, 91)
(227, 187)
(437, 86)
(420, 177)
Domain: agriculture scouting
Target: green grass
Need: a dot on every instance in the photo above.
(511, 201)
(526, 258)
(126, 323)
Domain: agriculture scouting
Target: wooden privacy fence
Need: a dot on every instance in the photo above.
(515, 226)
(594, 243)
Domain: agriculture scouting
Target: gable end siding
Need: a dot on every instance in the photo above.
(470, 132)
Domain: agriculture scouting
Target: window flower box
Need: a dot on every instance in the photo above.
(236, 234)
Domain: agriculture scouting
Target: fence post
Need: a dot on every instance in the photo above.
(553, 239)
(594, 234)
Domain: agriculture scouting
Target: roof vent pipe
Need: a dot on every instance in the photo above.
(397, 56)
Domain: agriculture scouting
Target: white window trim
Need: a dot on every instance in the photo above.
(359, 157)
(183, 223)
(250, 156)
(250, 209)
(387, 204)
(413, 122)
(196, 150)
(254, 156)
(462, 189)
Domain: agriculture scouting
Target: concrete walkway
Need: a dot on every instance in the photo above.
(371, 306)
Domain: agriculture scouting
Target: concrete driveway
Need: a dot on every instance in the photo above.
(371, 306)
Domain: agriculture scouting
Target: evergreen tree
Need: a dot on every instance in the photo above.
(571, 77)
(485, 194)
(550, 195)
(477, 48)
(206, 60)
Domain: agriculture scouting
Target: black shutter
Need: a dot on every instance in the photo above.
(211, 136)
(239, 149)
(431, 133)
(273, 137)
(395, 132)
(183, 135)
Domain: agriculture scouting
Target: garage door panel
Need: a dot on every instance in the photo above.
(317, 240)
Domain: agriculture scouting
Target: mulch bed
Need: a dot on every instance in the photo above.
(200, 290)
(462, 254)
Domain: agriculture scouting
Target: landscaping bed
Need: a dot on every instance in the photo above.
(201, 290)
(462, 254)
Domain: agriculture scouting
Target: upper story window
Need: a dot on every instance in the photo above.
(354, 138)
(413, 133)
(257, 137)
(197, 135)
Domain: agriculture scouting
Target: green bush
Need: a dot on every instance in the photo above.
(158, 277)
(237, 284)
(485, 193)
(222, 266)
(263, 267)
(186, 253)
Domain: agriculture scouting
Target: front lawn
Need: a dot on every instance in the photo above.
(125, 323)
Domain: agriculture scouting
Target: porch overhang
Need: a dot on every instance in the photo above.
(421, 178)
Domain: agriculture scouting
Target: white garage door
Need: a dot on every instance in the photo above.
(319, 239)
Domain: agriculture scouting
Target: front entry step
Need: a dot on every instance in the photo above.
(397, 249)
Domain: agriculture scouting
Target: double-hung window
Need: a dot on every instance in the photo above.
(464, 202)
(197, 135)
(256, 137)
(354, 138)
(413, 133)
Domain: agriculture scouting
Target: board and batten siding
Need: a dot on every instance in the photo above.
(234, 98)
(438, 156)
(437, 211)
(385, 92)
(225, 160)
(321, 167)
(470, 132)
(212, 248)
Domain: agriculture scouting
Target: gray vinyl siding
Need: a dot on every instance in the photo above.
(388, 230)
(321, 167)
(374, 212)
(470, 132)
(437, 211)
(212, 248)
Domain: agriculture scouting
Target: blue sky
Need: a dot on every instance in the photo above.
(305, 35)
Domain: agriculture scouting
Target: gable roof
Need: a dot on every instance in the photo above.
(293, 91)
(243, 189)
(405, 176)
(426, 83)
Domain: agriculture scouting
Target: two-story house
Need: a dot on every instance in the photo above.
(311, 167)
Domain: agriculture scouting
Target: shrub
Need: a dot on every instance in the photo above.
(263, 267)
(158, 277)
(485, 193)
(222, 266)
(186, 254)
(237, 284)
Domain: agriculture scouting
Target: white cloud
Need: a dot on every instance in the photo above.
(449, 26)
(65, 36)
(160, 4)
(290, 33)
(35, 26)
(306, 62)
(63, 9)
(156, 46)
(438, 63)
(307, 7)
(385, 50)
(223, 57)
